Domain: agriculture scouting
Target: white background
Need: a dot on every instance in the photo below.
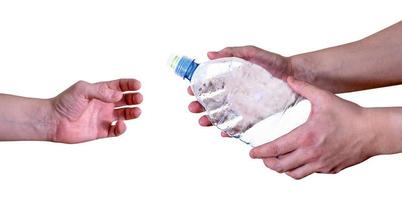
(45, 46)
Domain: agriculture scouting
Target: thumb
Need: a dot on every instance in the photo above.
(100, 91)
(305, 89)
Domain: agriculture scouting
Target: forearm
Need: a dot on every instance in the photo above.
(375, 61)
(25, 118)
(385, 125)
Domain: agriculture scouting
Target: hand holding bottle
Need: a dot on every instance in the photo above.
(277, 65)
(337, 134)
(235, 93)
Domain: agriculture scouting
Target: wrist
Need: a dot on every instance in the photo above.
(300, 67)
(369, 133)
(26, 119)
(385, 124)
(45, 123)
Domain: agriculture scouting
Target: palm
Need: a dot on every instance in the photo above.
(92, 124)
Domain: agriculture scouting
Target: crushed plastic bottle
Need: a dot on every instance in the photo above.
(235, 93)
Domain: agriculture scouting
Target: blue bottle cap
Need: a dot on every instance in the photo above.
(183, 66)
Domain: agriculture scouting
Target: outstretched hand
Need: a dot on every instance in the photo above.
(87, 111)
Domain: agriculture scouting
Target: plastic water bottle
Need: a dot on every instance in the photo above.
(235, 93)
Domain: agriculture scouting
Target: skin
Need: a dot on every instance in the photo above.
(83, 112)
(338, 133)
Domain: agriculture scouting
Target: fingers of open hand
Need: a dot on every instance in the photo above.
(117, 129)
(124, 85)
(128, 86)
(126, 113)
(99, 91)
(130, 99)
(110, 91)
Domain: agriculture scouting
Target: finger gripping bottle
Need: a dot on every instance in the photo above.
(235, 93)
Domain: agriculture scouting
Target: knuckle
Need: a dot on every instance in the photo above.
(102, 89)
(308, 139)
(311, 155)
(80, 84)
(315, 154)
(79, 87)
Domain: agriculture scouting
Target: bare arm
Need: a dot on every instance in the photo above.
(375, 61)
(83, 112)
(338, 133)
(25, 118)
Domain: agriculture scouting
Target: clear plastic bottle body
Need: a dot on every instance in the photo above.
(237, 94)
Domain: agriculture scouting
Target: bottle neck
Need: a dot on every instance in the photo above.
(185, 67)
(190, 71)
